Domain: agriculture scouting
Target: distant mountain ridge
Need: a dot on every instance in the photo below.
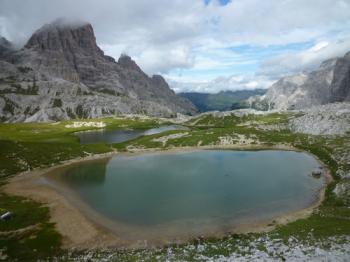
(61, 73)
(328, 84)
(222, 101)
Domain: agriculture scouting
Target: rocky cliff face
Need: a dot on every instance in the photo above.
(328, 84)
(5, 47)
(61, 73)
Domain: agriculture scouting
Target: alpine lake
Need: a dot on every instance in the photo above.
(165, 197)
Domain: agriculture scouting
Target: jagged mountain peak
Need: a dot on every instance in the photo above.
(158, 78)
(127, 62)
(64, 34)
(62, 23)
(328, 84)
(65, 22)
(66, 49)
(66, 75)
(160, 82)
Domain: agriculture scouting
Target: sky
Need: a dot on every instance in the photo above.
(201, 45)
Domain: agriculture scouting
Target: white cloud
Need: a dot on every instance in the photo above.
(319, 46)
(252, 85)
(277, 22)
(233, 83)
(308, 59)
(164, 59)
(188, 36)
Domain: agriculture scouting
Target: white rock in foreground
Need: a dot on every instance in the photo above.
(164, 139)
(86, 124)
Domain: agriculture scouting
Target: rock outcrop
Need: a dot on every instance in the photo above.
(61, 73)
(328, 84)
(330, 119)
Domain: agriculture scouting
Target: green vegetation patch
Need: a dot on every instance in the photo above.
(32, 145)
(28, 235)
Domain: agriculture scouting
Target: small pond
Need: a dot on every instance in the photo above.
(118, 136)
(184, 194)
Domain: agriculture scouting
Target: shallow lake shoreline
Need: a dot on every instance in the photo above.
(74, 222)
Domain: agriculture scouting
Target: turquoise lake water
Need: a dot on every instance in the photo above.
(194, 192)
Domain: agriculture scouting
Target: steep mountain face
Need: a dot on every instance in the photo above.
(328, 84)
(61, 73)
(5, 47)
(222, 101)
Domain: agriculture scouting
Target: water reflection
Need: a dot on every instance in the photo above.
(91, 173)
(118, 136)
(163, 197)
(215, 186)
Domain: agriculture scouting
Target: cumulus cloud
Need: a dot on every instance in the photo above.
(305, 60)
(200, 39)
(232, 83)
(279, 22)
(165, 59)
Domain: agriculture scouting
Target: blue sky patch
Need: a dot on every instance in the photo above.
(222, 2)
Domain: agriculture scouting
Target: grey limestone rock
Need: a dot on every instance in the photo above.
(61, 73)
(330, 119)
(328, 84)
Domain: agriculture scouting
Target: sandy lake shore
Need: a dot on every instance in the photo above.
(80, 227)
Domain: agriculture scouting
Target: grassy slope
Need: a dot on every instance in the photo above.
(26, 146)
(29, 235)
